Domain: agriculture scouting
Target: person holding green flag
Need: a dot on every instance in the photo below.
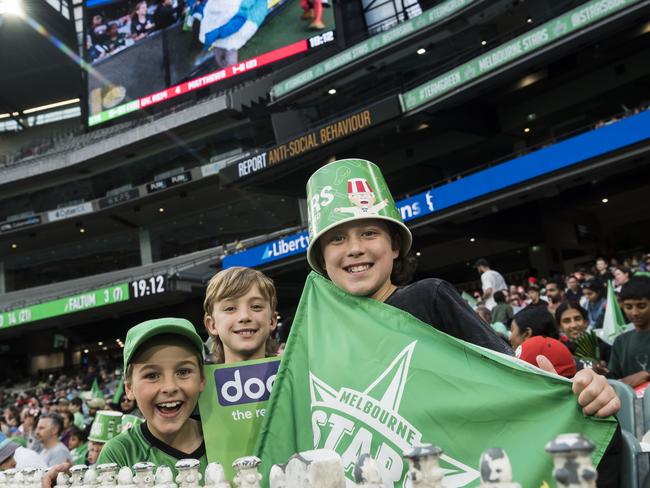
(358, 246)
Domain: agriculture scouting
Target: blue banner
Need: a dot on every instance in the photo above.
(567, 153)
(269, 252)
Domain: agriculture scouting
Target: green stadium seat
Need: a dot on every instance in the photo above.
(626, 415)
(630, 467)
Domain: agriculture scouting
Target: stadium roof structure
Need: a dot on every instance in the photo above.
(35, 69)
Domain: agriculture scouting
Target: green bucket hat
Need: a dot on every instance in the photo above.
(141, 333)
(349, 190)
(106, 425)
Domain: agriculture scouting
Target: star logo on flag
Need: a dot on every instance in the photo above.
(369, 421)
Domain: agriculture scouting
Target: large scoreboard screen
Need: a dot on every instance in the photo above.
(145, 52)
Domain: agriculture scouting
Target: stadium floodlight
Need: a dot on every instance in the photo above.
(11, 7)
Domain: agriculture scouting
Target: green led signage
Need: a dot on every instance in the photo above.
(548, 32)
(64, 306)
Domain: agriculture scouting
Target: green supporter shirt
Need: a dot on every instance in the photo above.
(629, 352)
(138, 444)
(79, 420)
(79, 454)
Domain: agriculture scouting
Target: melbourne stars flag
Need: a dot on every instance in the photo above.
(360, 376)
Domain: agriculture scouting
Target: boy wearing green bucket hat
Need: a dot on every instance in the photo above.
(105, 426)
(358, 240)
(163, 364)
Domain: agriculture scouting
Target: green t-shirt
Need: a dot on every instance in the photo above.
(79, 420)
(629, 352)
(139, 444)
(79, 454)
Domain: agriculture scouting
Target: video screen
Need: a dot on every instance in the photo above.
(144, 52)
(381, 16)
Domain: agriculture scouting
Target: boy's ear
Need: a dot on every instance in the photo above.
(210, 325)
(128, 390)
(274, 320)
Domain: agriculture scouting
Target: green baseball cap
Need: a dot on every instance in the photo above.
(141, 333)
(349, 190)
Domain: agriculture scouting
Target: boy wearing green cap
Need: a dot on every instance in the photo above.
(163, 364)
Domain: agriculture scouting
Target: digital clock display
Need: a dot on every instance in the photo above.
(144, 287)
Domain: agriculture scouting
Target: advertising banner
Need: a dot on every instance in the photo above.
(233, 406)
(339, 129)
(165, 183)
(69, 212)
(118, 198)
(531, 41)
(269, 252)
(20, 223)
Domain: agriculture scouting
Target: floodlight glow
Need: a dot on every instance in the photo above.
(11, 7)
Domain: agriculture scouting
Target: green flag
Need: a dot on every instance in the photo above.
(119, 391)
(359, 376)
(95, 390)
(613, 322)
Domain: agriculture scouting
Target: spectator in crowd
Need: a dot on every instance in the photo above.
(594, 293)
(554, 294)
(128, 406)
(141, 22)
(165, 14)
(502, 311)
(163, 365)
(573, 291)
(379, 247)
(12, 455)
(240, 297)
(78, 446)
(602, 270)
(498, 327)
(533, 332)
(491, 282)
(48, 430)
(534, 297)
(68, 424)
(10, 421)
(96, 38)
(622, 275)
(27, 428)
(631, 350)
(116, 40)
(572, 320)
(76, 405)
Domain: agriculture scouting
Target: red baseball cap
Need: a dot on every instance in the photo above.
(556, 352)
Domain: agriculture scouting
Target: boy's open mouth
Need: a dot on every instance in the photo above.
(169, 408)
(246, 332)
(358, 268)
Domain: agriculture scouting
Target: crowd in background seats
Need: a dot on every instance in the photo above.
(48, 422)
(564, 310)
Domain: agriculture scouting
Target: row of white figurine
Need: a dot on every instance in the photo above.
(319, 468)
